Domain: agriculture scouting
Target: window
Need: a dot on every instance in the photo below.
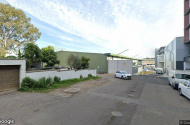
(186, 83)
(182, 76)
(124, 72)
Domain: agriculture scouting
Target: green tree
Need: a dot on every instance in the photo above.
(32, 53)
(15, 29)
(77, 63)
(85, 62)
(49, 56)
(19, 55)
(70, 60)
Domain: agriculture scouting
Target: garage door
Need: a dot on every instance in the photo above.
(9, 77)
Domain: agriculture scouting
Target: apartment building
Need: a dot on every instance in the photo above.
(187, 32)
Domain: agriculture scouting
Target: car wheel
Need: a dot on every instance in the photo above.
(169, 82)
(180, 92)
(173, 86)
(121, 77)
(115, 76)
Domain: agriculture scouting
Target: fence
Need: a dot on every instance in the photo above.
(69, 74)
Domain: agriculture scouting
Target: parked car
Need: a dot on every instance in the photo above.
(184, 88)
(159, 70)
(123, 75)
(177, 76)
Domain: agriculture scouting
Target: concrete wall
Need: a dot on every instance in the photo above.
(97, 61)
(123, 65)
(186, 66)
(62, 74)
(21, 63)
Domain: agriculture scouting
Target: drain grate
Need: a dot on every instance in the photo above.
(72, 90)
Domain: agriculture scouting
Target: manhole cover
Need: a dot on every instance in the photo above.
(72, 90)
(117, 114)
(130, 95)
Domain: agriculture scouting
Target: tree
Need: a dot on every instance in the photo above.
(77, 63)
(2, 52)
(70, 60)
(15, 29)
(74, 62)
(49, 56)
(85, 64)
(19, 55)
(32, 53)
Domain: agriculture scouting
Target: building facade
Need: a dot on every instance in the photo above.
(175, 52)
(100, 61)
(159, 57)
(187, 32)
(97, 61)
(186, 21)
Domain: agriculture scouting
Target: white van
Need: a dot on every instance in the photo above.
(177, 76)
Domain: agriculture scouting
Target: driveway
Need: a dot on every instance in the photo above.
(144, 100)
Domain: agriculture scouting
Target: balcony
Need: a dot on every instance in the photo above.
(187, 27)
(187, 12)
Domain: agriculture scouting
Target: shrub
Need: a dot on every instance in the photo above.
(89, 75)
(81, 76)
(49, 81)
(25, 88)
(57, 79)
(41, 83)
(28, 82)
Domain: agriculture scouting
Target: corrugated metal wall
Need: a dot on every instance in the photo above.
(97, 61)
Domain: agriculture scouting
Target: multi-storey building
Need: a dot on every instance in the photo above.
(159, 57)
(186, 21)
(175, 52)
(187, 32)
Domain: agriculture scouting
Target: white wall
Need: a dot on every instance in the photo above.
(122, 65)
(186, 65)
(62, 74)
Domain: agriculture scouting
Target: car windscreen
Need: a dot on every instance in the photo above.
(182, 76)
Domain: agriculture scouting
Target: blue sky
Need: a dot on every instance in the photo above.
(105, 26)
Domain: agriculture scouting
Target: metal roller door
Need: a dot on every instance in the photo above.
(9, 77)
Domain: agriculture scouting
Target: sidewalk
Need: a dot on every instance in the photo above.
(163, 76)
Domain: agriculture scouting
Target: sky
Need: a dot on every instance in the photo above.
(105, 26)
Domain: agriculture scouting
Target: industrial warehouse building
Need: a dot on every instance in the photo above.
(102, 62)
(97, 61)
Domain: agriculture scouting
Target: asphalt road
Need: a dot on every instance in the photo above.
(144, 100)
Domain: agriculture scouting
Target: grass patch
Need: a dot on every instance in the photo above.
(55, 85)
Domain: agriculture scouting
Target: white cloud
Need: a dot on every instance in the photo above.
(140, 26)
